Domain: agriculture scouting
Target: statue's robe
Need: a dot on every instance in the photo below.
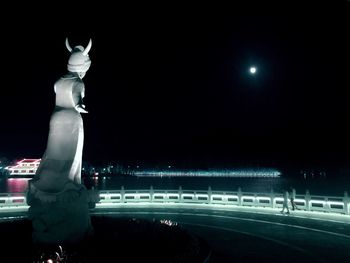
(62, 160)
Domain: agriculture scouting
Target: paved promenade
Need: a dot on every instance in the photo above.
(255, 234)
(245, 234)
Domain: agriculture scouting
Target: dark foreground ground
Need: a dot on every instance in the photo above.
(114, 240)
(134, 234)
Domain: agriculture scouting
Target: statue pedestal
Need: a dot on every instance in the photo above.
(59, 218)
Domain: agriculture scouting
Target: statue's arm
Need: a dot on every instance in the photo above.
(78, 95)
(82, 92)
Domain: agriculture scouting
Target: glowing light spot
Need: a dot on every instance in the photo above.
(168, 222)
(252, 70)
(262, 172)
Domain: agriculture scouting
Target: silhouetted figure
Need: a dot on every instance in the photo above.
(292, 198)
(285, 201)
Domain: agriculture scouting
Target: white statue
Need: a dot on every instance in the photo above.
(59, 203)
(61, 163)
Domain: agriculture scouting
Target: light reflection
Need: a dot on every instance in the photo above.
(168, 222)
(249, 173)
(17, 185)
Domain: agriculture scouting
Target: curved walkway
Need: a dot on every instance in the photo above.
(244, 234)
(251, 234)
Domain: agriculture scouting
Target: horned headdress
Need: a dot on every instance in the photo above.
(79, 60)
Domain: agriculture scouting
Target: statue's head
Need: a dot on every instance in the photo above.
(79, 60)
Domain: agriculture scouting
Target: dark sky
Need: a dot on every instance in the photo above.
(171, 84)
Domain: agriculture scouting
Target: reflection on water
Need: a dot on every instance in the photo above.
(335, 187)
(17, 185)
(187, 183)
(320, 186)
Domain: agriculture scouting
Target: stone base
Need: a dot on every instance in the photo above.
(59, 218)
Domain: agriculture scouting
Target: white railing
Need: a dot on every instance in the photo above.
(12, 200)
(307, 202)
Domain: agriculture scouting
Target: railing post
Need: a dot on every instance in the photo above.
(180, 194)
(239, 194)
(7, 201)
(326, 206)
(272, 199)
(256, 202)
(346, 201)
(209, 194)
(151, 193)
(122, 194)
(307, 200)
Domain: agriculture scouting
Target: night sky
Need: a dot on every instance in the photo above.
(172, 84)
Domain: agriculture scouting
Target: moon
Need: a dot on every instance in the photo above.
(252, 70)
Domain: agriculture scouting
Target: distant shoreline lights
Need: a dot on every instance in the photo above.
(249, 173)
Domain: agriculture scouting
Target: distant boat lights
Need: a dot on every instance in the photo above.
(24, 167)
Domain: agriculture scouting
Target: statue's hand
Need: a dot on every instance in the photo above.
(81, 108)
